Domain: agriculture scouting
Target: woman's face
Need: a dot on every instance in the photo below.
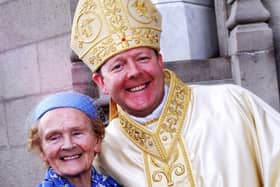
(68, 141)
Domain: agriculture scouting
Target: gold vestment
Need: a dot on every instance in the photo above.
(206, 136)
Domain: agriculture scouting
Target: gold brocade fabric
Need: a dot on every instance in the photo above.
(104, 28)
(224, 137)
(166, 159)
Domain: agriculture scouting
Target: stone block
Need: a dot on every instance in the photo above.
(89, 89)
(250, 38)
(80, 73)
(55, 65)
(198, 2)
(3, 1)
(26, 21)
(257, 72)
(274, 22)
(82, 81)
(3, 127)
(19, 72)
(239, 13)
(222, 30)
(19, 119)
(276, 33)
(188, 31)
(73, 5)
(195, 71)
(20, 168)
(1, 85)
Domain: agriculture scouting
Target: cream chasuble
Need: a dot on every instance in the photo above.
(214, 136)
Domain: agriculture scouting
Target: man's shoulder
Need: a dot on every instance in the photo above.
(216, 88)
(113, 132)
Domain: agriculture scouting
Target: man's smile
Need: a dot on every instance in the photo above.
(138, 88)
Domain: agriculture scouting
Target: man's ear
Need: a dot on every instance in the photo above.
(160, 61)
(98, 79)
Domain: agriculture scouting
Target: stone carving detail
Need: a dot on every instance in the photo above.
(231, 13)
(239, 13)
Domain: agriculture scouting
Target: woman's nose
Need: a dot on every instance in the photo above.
(67, 143)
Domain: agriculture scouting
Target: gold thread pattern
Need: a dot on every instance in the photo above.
(188, 163)
(103, 28)
(164, 152)
(166, 169)
(169, 172)
(147, 123)
(160, 143)
(140, 136)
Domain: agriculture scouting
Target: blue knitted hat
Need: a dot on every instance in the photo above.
(66, 99)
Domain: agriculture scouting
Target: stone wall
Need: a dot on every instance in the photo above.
(245, 35)
(34, 62)
(189, 29)
(273, 7)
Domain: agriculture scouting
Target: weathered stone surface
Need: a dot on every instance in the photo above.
(1, 85)
(19, 72)
(55, 65)
(182, 38)
(274, 22)
(3, 1)
(20, 168)
(19, 119)
(26, 21)
(195, 71)
(256, 70)
(3, 127)
(80, 73)
(82, 81)
(73, 5)
(198, 2)
(247, 11)
(222, 30)
(250, 37)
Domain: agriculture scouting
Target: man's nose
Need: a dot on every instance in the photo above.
(134, 70)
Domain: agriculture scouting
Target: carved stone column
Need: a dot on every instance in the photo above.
(251, 49)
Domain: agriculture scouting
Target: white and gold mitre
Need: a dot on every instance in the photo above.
(104, 28)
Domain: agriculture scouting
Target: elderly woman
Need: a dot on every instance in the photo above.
(67, 136)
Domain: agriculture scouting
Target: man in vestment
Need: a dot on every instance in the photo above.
(163, 132)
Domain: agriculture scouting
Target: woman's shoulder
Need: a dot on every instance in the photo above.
(53, 180)
(104, 180)
(46, 184)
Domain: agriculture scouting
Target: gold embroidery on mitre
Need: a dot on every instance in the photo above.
(163, 156)
(103, 28)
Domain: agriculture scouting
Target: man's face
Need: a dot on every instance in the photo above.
(134, 79)
(68, 142)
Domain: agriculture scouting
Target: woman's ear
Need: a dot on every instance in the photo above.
(43, 156)
(97, 147)
(98, 79)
